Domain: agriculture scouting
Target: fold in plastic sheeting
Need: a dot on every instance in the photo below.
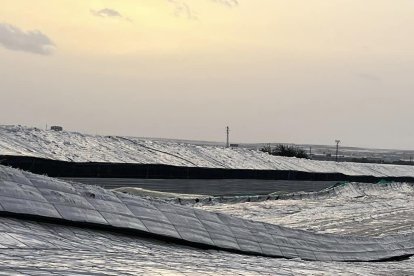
(23, 193)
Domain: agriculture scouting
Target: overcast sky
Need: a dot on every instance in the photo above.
(299, 71)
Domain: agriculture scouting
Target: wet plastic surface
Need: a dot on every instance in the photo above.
(25, 193)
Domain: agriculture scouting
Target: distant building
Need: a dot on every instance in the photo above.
(56, 128)
(234, 145)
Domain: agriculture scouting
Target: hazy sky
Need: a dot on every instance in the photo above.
(300, 71)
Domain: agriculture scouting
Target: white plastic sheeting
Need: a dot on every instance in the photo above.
(77, 147)
(28, 194)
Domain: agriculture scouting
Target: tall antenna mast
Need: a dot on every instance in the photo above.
(337, 149)
(227, 133)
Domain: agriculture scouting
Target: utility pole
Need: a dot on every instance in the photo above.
(310, 152)
(337, 149)
(227, 133)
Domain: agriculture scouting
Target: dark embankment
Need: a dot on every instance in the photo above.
(57, 168)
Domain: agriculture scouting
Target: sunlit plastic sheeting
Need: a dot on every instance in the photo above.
(29, 194)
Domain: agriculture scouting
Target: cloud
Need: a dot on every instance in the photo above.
(369, 77)
(34, 41)
(228, 3)
(109, 13)
(106, 13)
(182, 9)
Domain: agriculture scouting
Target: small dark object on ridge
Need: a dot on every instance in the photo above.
(56, 128)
